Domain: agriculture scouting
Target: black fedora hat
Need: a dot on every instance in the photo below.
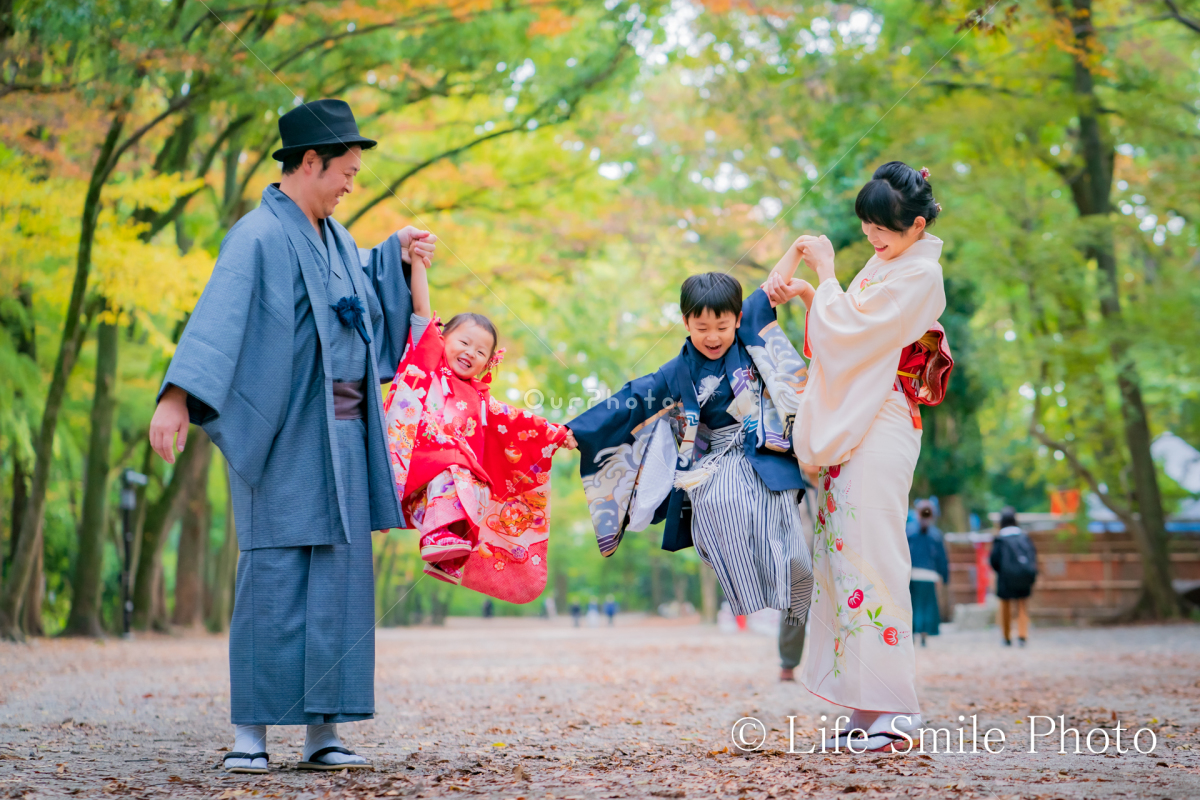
(318, 123)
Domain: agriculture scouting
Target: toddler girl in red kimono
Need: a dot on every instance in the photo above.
(472, 473)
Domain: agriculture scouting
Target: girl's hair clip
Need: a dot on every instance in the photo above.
(938, 206)
(925, 173)
(495, 360)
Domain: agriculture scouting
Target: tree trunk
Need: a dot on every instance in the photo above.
(1092, 191)
(7, 23)
(74, 327)
(20, 491)
(225, 575)
(954, 514)
(24, 335)
(656, 587)
(31, 611)
(708, 594)
(139, 513)
(160, 516)
(193, 542)
(84, 619)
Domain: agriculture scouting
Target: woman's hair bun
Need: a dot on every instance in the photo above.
(895, 196)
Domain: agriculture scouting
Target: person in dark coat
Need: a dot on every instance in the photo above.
(1014, 559)
(929, 565)
(281, 364)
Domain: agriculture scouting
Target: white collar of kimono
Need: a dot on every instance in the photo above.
(927, 247)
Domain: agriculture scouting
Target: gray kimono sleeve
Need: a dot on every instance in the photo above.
(206, 359)
(389, 278)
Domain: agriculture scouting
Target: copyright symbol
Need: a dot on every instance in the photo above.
(748, 734)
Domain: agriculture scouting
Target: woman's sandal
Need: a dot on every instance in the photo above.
(885, 742)
(249, 757)
(314, 764)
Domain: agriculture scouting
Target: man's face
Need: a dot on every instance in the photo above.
(712, 335)
(327, 185)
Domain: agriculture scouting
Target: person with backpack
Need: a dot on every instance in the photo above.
(1014, 560)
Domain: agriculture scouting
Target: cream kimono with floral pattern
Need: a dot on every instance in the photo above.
(855, 424)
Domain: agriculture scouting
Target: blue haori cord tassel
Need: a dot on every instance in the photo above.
(350, 313)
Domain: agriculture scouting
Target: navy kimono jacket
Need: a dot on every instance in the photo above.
(253, 362)
(625, 442)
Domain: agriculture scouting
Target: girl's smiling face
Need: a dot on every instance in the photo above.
(890, 244)
(468, 348)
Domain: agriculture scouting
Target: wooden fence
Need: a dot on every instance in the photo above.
(1094, 577)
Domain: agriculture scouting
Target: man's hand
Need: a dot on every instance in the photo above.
(417, 245)
(781, 291)
(170, 419)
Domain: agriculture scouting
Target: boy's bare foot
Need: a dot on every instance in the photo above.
(787, 674)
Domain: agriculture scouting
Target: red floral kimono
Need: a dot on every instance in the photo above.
(460, 454)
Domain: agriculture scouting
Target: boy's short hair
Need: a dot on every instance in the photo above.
(712, 291)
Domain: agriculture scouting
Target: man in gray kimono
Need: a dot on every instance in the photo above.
(281, 364)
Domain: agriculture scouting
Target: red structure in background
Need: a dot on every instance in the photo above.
(983, 577)
(1064, 502)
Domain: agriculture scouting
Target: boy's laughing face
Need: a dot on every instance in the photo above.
(712, 335)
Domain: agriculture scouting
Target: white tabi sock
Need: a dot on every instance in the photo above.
(321, 736)
(248, 739)
(892, 723)
(859, 720)
(862, 719)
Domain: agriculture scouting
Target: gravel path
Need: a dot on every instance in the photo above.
(536, 709)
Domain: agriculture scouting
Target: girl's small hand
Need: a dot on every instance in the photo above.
(423, 249)
(569, 443)
(776, 289)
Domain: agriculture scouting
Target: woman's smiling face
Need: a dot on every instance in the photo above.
(888, 243)
(468, 348)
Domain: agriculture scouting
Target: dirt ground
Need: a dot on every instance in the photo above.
(539, 709)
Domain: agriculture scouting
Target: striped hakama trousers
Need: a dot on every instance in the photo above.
(750, 535)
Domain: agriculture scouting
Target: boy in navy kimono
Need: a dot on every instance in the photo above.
(704, 445)
(281, 364)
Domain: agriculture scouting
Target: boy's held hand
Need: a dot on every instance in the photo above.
(569, 443)
(781, 290)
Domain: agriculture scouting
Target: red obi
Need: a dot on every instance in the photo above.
(924, 371)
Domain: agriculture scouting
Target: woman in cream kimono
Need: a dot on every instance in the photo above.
(855, 423)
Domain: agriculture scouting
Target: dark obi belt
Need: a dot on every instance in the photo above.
(348, 399)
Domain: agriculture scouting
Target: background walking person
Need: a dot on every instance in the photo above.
(1014, 558)
(929, 565)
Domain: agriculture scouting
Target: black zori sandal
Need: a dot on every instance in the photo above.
(249, 757)
(315, 763)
